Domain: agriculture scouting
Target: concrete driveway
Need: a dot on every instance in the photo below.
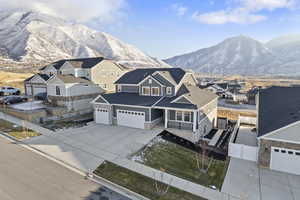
(25, 175)
(87, 147)
(245, 180)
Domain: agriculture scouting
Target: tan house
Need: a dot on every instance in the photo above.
(101, 71)
(71, 92)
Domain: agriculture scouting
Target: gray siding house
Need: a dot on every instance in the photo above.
(159, 97)
(278, 126)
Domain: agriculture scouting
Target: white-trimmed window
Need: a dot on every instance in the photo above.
(179, 115)
(183, 116)
(146, 91)
(187, 116)
(150, 81)
(169, 90)
(155, 91)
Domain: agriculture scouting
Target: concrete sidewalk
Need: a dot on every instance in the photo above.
(87, 147)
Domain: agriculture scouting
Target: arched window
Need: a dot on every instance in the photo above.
(57, 90)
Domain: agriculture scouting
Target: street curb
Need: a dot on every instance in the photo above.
(96, 179)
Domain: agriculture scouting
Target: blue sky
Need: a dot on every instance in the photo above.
(164, 28)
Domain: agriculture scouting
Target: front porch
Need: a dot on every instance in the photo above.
(181, 123)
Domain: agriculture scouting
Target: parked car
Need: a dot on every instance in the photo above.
(9, 91)
(12, 100)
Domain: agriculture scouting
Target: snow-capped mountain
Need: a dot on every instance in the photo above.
(33, 37)
(244, 55)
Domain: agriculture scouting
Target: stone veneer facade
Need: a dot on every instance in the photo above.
(264, 157)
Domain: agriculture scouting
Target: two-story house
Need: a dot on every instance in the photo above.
(101, 71)
(159, 97)
(71, 92)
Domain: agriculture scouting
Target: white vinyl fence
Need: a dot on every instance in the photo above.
(247, 120)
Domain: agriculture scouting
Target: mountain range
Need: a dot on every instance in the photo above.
(245, 56)
(34, 37)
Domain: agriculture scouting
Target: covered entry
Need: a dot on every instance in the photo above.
(131, 119)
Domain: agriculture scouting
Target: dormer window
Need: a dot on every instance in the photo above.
(146, 91)
(150, 81)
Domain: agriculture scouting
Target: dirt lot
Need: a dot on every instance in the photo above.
(13, 79)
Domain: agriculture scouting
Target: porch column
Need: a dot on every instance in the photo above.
(194, 121)
(166, 118)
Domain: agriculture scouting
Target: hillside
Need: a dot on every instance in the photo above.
(33, 37)
(245, 56)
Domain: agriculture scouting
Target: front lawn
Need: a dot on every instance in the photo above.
(141, 184)
(182, 162)
(16, 131)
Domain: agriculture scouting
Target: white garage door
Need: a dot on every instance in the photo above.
(131, 118)
(102, 116)
(285, 160)
(37, 90)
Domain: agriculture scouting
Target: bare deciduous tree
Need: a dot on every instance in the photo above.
(160, 189)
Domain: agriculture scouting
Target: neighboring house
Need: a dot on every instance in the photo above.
(165, 97)
(278, 128)
(239, 97)
(221, 89)
(99, 70)
(74, 93)
(251, 95)
(36, 84)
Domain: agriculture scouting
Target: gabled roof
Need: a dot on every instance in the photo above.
(137, 75)
(198, 98)
(73, 79)
(45, 77)
(288, 133)
(167, 75)
(277, 108)
(129, 99)
(84, 63)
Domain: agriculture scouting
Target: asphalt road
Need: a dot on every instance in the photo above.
(25, 175)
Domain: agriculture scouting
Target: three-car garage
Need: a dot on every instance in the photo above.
(128, 118)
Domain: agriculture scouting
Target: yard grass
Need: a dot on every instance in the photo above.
(140, 184)
(17, 132)
(182, 162)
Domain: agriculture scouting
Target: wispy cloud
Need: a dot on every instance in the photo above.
(179, 9)
(75, 10)
(247, 12)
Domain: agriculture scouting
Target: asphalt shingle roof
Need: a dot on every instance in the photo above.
(130, 99)
(137, 75)
(73, 79)
(277, 108)
(43, 76)
(84, 63)
(197, 96)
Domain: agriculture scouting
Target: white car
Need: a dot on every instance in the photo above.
(9, 91)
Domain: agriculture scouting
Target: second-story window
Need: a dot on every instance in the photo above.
(57, 90)
(169, 90)
(155, 91)
(150, 81)
(146, 91)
